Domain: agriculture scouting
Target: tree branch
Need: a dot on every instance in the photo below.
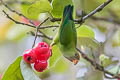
(17, 22)
(41, 35)
(98, 9)
(15, 1)
(12, 9)
(80, 21)
(20, 14)
(96, 65)
(106, 19)
(37, 29)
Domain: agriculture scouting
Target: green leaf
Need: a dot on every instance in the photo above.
(13, 72)
(58, 7)
(87, 5)
(115, 69)
(106, 61)
(56, 55)
(115, 7)
(116, 39)
(24, 9)
(27, 72)
(85, 31)
(39, 6)
(61, 66)
(88, 42)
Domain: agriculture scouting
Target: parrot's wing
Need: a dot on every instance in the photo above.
(68, 34)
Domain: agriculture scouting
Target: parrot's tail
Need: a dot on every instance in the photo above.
(68, 11)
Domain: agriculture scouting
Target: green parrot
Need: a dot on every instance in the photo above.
(66, 38)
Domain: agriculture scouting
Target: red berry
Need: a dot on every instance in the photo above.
(40, 65)
(29, 56)
(41, 48)
(44, 56)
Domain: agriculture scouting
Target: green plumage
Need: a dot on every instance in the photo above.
(67, 28)
(67, 36)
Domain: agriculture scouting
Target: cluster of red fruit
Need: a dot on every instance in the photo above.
(38, 55)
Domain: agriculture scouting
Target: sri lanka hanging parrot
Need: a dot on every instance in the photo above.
(66, 37)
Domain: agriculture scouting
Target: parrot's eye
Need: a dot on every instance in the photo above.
(77, 56)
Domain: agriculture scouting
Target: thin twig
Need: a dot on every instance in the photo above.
(41, 35)
(20, 14)
(96, 65)
(15, 1)
(98, 9)
(49, 38)
(45, 35)
(12, 9)
(44, 27)
(111, 20)
(17, 22)
(106, 76)
(55, 19)
(106, 19)
(37, 29)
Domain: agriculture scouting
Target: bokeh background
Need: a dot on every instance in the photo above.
(15, 38)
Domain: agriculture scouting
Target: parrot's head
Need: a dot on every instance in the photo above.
(74, 59)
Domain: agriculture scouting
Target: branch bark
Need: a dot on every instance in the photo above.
(98, 9)
(37, 29)
(96, 65)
